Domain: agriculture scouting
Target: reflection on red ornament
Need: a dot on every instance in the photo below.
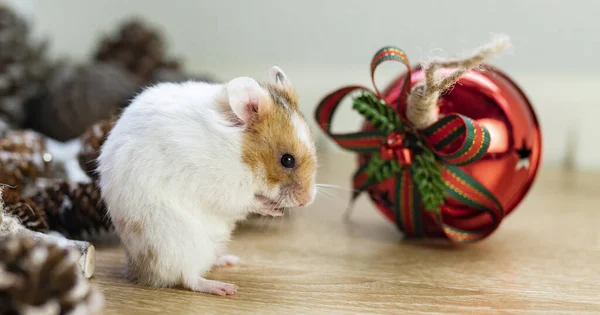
(499, 142)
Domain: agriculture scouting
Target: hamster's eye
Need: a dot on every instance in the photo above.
(288, 161)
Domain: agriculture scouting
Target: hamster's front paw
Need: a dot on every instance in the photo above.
(213, 287)
(227, 260)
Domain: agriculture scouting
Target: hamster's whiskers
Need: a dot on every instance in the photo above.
(325, 188)
(332, 186)
(328, 195)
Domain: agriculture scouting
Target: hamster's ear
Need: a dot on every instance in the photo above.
(246, 98)
(278, 77)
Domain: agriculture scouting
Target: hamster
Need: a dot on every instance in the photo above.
(186, 161)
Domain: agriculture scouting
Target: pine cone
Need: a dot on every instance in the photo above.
(91, 142)
(23, 68)
(137, 48)
(30, 215)
(5, 125)
(23, 157)
(23, 142)
(77, 97)
(43, 278)
(74, 210)
(10, 195)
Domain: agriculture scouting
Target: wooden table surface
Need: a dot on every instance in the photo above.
(545, 259)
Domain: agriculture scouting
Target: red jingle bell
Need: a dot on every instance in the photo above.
(511, 163)
(473, 153)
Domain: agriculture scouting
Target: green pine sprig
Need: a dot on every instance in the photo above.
(377, 112)
(426, 172)
(380, 169)
(427, 175)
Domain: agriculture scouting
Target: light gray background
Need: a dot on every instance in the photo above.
(324, 44)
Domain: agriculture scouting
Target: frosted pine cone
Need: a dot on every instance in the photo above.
(137, 48)
(74, 210)
(23, 68)
(30, 215)
(10, 195)
(23, 157)
(91, 142)
(78, 96)
(43, 278)
(24, 142)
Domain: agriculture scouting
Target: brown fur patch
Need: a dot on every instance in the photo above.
(124, 226)
(120, 224)
(151, 255)
(271, 136)
(282, 97)
(136, 228)
(141, 267)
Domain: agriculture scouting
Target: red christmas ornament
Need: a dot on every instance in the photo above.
(442, 165)
(511, 163)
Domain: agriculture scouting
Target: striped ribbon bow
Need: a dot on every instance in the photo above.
(424, 164)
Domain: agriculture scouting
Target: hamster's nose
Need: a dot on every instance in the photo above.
(310, 198)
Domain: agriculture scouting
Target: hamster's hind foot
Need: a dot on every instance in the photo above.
(213, 287)
(227, 260)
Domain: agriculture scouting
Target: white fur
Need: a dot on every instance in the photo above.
(302, 132)
(278, 76)
(300, 126)
(244, 95)
(173, 165)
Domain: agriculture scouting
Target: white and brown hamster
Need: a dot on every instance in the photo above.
(185, 161)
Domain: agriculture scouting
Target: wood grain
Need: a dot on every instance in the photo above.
(545, 259)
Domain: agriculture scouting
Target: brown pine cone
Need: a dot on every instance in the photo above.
(43, 278)
(10, 195)
(136, 47)
(23, 142)
(76, 97)
(74, 210)
(23, 68)
(23, 157)
(5, 125)
(30, 215)
(91, 142)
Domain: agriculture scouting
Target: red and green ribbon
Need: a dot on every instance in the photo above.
(455, 140)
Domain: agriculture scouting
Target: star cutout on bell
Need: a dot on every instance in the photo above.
(524, 154)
